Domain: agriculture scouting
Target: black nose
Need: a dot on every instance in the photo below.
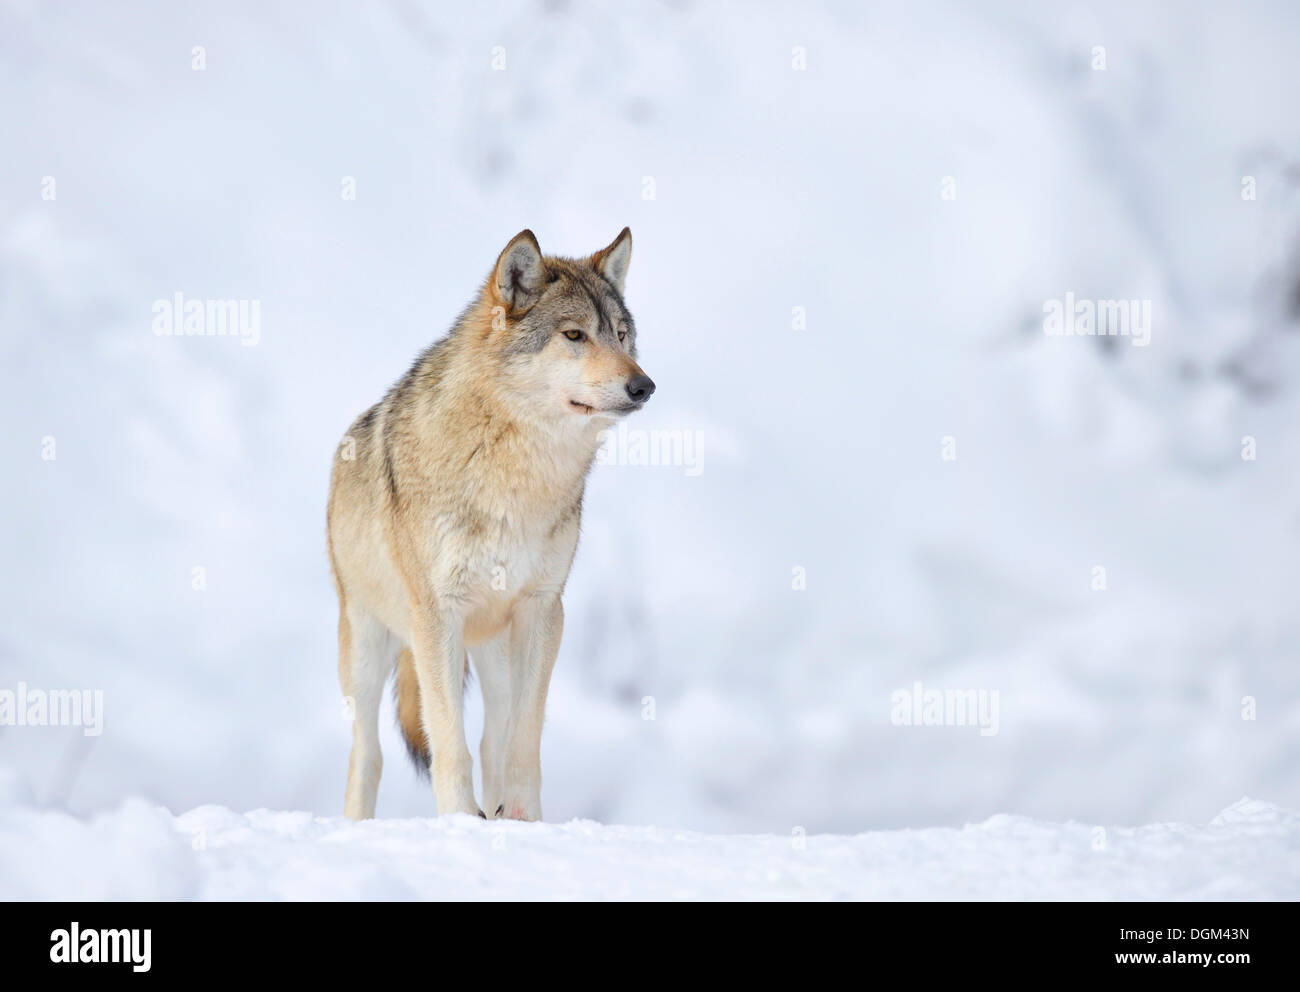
(639, 387)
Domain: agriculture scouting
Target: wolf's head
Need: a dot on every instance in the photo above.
(566, 341)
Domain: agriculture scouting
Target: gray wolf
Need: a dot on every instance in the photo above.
(453, 521)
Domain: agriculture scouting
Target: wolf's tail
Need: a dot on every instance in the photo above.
(406, 691)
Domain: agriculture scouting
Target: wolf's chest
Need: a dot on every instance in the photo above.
(483, 571)
(494, 576)
(509, 564)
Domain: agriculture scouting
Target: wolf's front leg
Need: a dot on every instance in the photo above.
(438, 648)
(492, 662)
(535, 641)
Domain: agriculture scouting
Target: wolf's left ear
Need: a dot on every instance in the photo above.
(612, 262)
(520, 275)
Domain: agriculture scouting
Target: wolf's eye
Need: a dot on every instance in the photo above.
(622, 335)
(574, 335)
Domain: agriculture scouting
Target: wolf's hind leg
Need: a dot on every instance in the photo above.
(366, 654)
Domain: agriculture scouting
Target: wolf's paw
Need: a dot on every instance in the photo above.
(516, 811)
(472, 811)
(455, 794)
(467, 806)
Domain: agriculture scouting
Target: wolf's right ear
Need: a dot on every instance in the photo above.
(612, 262)
(520, 274)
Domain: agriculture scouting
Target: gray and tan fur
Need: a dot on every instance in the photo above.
(453, 520)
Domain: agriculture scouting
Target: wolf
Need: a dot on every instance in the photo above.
(453, 521)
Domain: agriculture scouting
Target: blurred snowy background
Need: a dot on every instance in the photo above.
(774, 188)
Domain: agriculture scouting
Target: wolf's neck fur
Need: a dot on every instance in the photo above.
(513, 460)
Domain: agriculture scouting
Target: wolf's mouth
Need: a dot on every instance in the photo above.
(589, 410)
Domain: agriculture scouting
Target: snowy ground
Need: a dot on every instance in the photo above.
(140, 851)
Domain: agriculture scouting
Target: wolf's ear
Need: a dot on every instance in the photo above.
(520, 274)
(612, 262)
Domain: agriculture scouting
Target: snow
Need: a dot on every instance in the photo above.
(696, 688)
(1251, 851)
